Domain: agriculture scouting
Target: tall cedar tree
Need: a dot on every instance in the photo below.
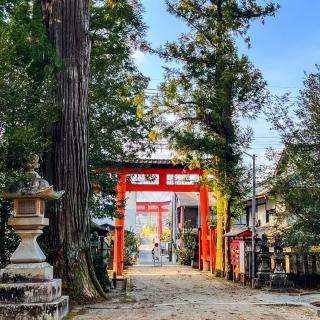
(295, 185)
(29, 65)
(208, 91)
(117, 122)
(67, 24)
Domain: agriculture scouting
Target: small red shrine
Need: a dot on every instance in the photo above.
(239, 239)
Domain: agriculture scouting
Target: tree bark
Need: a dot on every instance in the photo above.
(227, 226)
(67, 25)
(219, 232)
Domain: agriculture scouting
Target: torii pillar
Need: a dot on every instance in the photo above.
(204, 212)
(160, 221)
(119, 225)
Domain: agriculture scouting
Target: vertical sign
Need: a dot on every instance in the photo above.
(241, 257)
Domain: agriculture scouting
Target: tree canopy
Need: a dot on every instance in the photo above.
(120, 120)
(26, 108)
(296, 184)
(208, 91)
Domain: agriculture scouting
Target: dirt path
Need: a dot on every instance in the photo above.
(176, 292)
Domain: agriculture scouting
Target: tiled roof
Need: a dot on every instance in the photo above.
(191, 199)
(150, 163)
(236, 231)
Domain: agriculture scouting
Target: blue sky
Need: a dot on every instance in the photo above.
(283, 48)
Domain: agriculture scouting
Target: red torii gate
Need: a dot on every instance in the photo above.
(154, 207)
(161, 168)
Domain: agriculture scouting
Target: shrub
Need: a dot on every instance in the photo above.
(185, 250)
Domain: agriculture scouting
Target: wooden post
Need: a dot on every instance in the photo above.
(204, 212)
(159, 221)
(212, 249)
(199, 249)
(182, 217)
(119, 226)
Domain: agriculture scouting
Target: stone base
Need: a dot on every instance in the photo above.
(55, 310)
(262, 280)
(26, 272)
(40, 292)
(280, 281)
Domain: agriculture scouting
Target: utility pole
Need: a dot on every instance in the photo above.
(253, 217)
(174, 227)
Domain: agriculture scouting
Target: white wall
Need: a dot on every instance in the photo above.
(261, 214)
(130, 213)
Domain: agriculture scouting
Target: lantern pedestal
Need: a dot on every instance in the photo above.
(28, 290)
(27, 287)
(27, 272)
(28, 229)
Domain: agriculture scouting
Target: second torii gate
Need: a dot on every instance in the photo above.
(163, 169)
(154, 207)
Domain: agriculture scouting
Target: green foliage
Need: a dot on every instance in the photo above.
(26, 111)
(296, 185)
(27, 66)
(119, 120)
(212, 87)
(149, 230)
(185, 250)
(212, 221)
(166, 233)
(131, 246)
(9, 240)
(100, 268)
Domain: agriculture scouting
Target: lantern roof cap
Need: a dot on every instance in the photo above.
(32, 185)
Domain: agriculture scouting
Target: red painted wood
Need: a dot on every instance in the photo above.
(119, 226)
(161, 188)
(205, 245)
(161, 203)
(151, 210)
(160, 223)
(200, 249)
(204, 210)
(154, 207)
(212, 237)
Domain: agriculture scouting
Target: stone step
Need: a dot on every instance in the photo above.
(55, 310)
(27, 272)
(36, 292)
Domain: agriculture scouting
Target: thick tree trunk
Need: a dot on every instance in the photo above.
(219, 233)
(227, 226)
(68, 31)
(223, 226)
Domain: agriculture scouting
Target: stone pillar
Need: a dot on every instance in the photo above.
(27, 287)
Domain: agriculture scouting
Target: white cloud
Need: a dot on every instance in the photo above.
(138, 56)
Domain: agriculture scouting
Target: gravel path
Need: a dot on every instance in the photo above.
(177, 292)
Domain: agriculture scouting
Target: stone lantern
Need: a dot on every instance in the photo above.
(279, 279)
(264, 271)
(27, 287)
